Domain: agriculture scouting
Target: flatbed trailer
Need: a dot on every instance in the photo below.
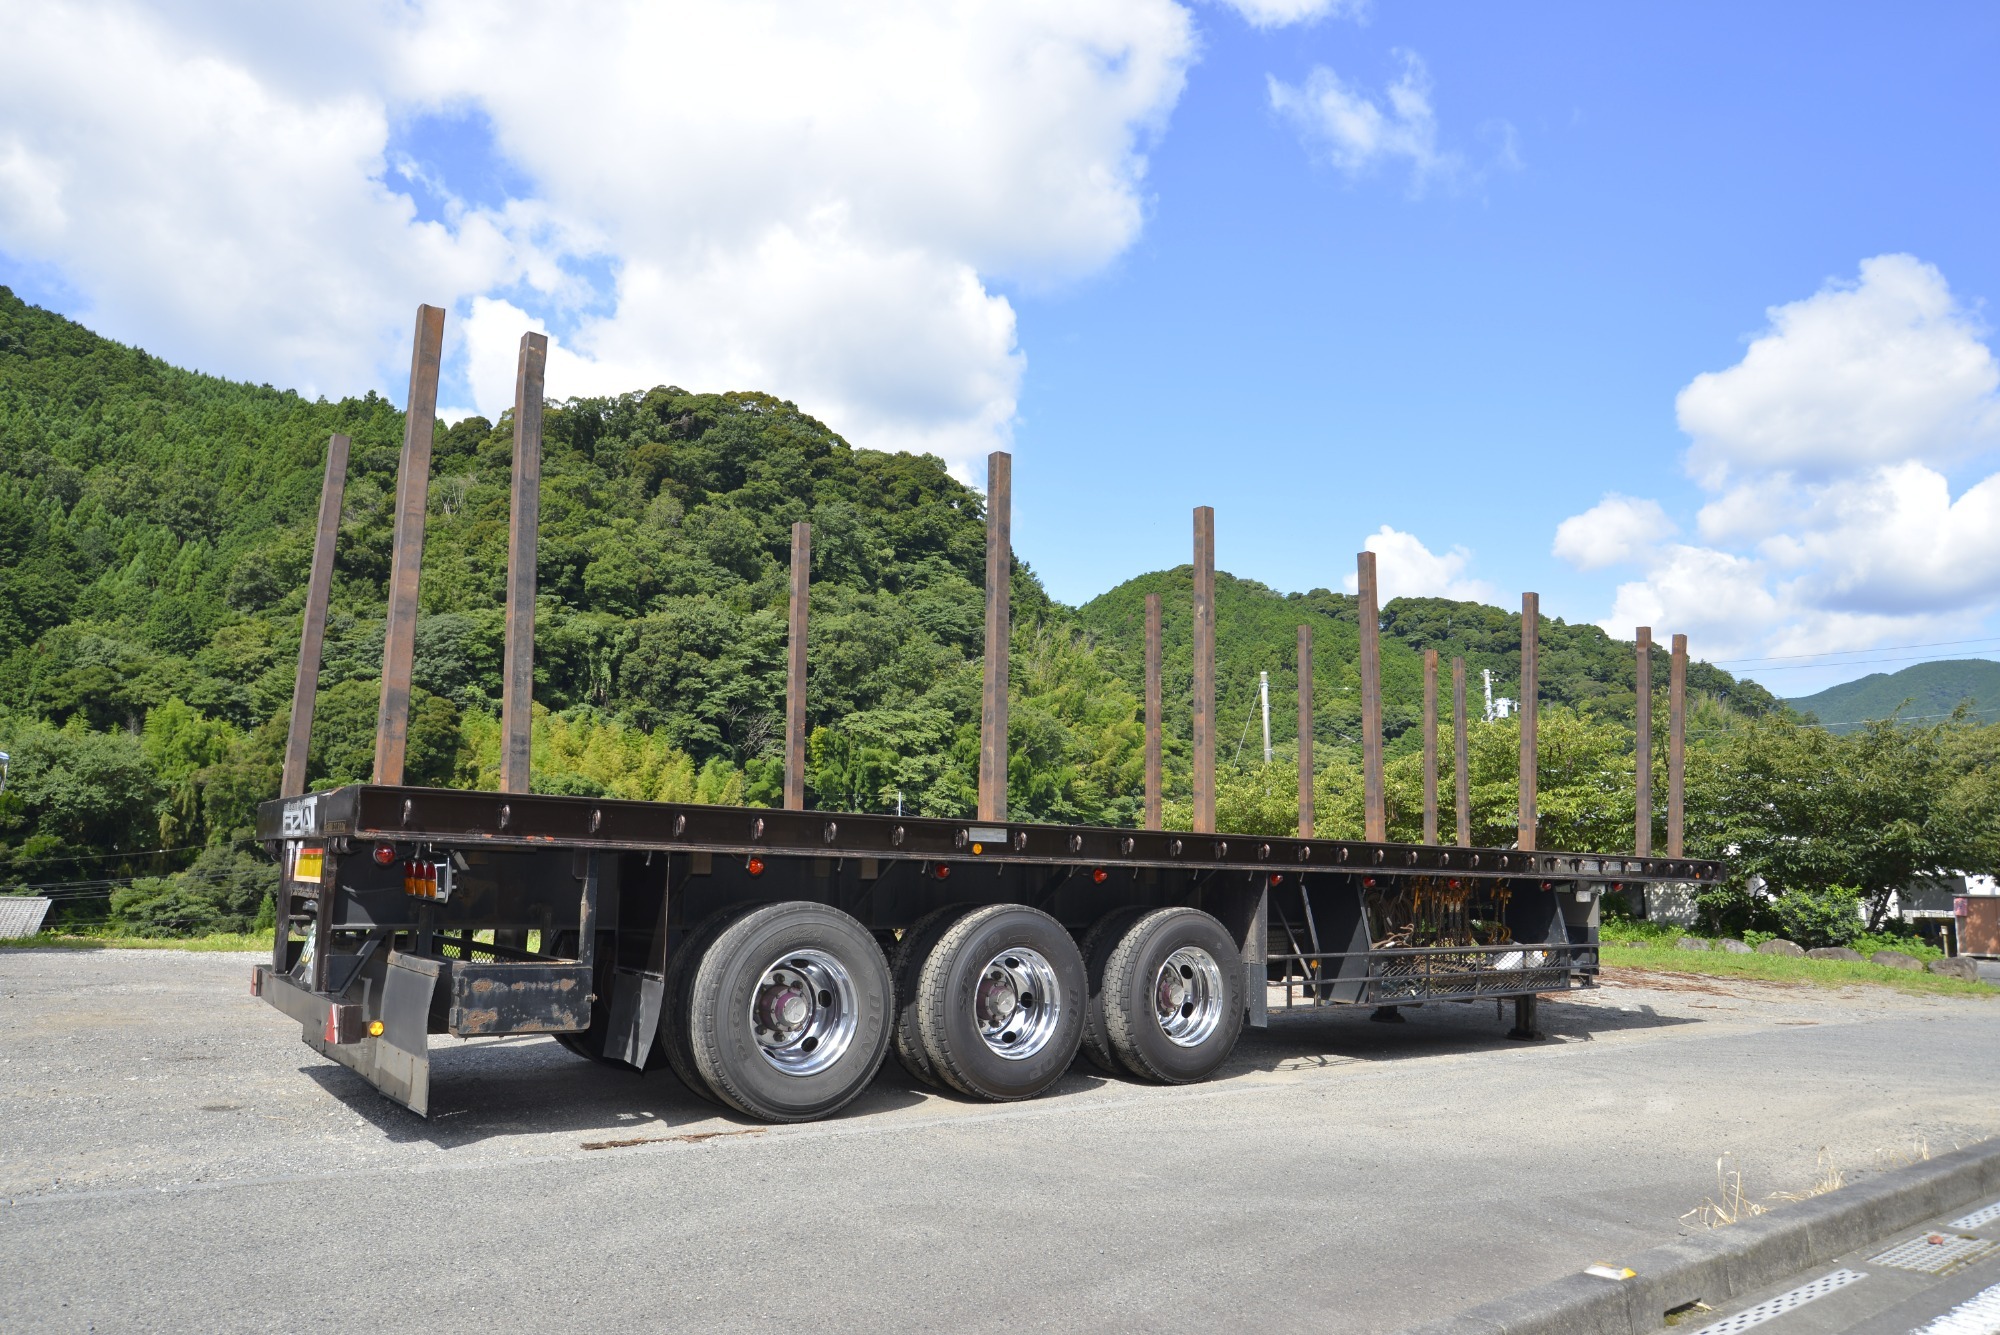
(774, 958)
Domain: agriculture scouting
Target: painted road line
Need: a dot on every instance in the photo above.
(1977, 1315)
(1783, 1303)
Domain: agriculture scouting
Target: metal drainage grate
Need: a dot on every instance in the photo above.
(1977, 1315)
(1783, 1303)
(1934, 1253)
(1979, 1218)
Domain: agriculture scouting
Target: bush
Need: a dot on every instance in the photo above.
(224, 891)
(1814, 918)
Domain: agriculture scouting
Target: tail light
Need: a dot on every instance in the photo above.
(427, 880)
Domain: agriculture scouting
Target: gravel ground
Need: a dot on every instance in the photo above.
(171, 1157)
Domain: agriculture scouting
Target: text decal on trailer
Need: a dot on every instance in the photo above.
(301, 817)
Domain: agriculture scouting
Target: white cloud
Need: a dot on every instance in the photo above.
(1405, 568)
(1615, 531)
(1832, 523)
(812, 201)
(1886, 369)
(1356, 130)
(1280, 13)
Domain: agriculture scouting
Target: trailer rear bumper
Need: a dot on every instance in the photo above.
(383, 1038)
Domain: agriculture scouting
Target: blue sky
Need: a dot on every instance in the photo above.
(1440, 279)
(1318, 353)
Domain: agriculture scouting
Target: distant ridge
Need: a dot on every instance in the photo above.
(1933, 690)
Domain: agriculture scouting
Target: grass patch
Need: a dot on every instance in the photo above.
(59, 940)
(1786, 969)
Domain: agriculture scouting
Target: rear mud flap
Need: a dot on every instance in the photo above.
(397, 1061)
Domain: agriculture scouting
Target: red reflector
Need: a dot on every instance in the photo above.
(1100, 876)
(755, 866)
(1368, 882)
(257, 981)
(1277, 878)
(384, 854)
(943, 872)
(332, 1034)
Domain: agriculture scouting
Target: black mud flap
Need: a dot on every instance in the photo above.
(397, 1061)
(635, 1016)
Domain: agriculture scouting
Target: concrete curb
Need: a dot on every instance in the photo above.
(1716, 1266)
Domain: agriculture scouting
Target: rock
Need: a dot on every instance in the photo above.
(1895, 959)
(1781, 946)
(1958, 966)
(1834, 953)
(1733, 946)
(1691, 943)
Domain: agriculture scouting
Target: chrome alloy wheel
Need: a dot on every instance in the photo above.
(1187, 996)
(1017, 1003)
(804, 1012)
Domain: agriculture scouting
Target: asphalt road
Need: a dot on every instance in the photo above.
(171, 1157)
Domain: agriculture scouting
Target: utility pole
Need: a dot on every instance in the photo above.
(1264, 693)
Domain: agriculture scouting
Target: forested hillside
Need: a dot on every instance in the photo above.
(1920, 693)
(155, 530)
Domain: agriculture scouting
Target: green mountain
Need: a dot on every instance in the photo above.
(1923, 692)
(156, 526)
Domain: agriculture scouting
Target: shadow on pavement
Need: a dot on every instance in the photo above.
(530, 1085)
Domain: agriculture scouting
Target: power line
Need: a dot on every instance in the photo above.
(1852, 662)
(1828, 653)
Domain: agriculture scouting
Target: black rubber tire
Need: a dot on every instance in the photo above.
(673, 1040)
(1096, 947)
(1130, 971)
(945, 1003)
(906, 966)
(719, 991)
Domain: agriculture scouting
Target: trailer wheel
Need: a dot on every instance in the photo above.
(1172, 996)
(673, 1040)
(1096, 947)
(906, 967)
(1001, 1002)
(788, 1011)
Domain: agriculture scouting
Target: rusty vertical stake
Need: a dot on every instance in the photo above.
(1430, 746)
(1305, 732)
(999, 586)
(1153, 733)
(517, 698)
(1461, 764)
(1204, 670)
(795, 670)
(1677, 686)
(319, 586)
(1376, 813)
(1530, 712)
(1642, 750)
(413, 491)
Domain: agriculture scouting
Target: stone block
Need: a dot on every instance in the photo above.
(1691, 943)
(1780, 946)
(1834, 953)
(1895, 959)
(1733, 946)
(1958, 966)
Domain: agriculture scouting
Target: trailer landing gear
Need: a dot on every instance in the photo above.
(1525, 1026)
